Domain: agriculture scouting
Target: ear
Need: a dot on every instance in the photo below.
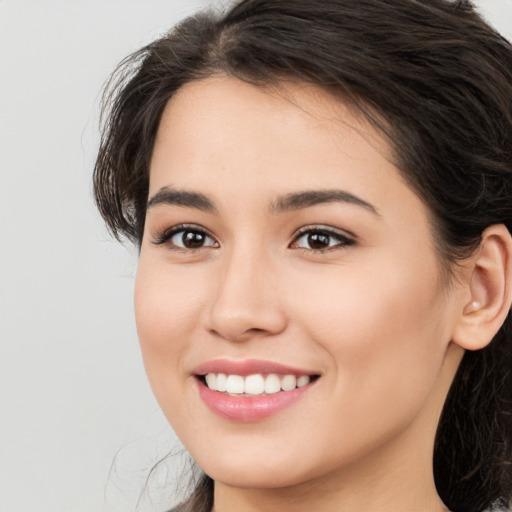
(489, 290)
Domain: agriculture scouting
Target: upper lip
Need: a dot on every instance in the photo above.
(248, 367)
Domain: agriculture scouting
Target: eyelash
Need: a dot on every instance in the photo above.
(344, 240)
(168, 234)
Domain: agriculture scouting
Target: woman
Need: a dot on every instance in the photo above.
(321, 194)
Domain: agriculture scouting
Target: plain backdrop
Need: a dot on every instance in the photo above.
(79, 427)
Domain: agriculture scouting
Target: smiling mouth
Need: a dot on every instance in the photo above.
(254, 385)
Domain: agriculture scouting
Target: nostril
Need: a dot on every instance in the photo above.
(236, 332)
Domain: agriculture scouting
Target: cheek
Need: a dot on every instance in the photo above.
(166, 311)
(384, 333)
(166, 301)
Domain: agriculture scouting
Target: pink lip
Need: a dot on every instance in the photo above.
(247, 367)
(248, 408)
(252, 408)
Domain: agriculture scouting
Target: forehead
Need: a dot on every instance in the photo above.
(222, 126)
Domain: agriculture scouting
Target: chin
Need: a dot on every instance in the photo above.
(255, 473)
(248, 478)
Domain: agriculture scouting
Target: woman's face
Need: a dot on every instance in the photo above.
(280, 241)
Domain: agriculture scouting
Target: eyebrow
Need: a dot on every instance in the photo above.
(286, 203)
(299, 200)
(186, 198)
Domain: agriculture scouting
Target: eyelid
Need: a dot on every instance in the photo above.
(346, 237)
(165, 235)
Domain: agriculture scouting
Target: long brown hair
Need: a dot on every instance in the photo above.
(436, 81)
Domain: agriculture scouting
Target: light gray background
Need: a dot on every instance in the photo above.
(73, 394)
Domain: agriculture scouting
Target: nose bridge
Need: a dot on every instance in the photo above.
(246, 302)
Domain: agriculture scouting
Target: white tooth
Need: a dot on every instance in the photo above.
(288, 382)
(303, 380)
(272, 384)
(235, 384)
(254, 384)
(221, 382)
(211, 381)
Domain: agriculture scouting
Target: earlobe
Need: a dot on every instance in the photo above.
(490, 290)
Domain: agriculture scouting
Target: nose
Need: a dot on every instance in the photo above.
(247, 301)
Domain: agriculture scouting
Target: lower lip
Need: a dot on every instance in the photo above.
(250, 408)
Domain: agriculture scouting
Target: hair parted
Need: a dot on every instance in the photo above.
(436, 81)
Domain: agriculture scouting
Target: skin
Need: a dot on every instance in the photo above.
(374, 318)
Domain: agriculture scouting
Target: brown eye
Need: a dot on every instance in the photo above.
(186, 238)
(190, 239)
(318, 240)
(322, 240)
